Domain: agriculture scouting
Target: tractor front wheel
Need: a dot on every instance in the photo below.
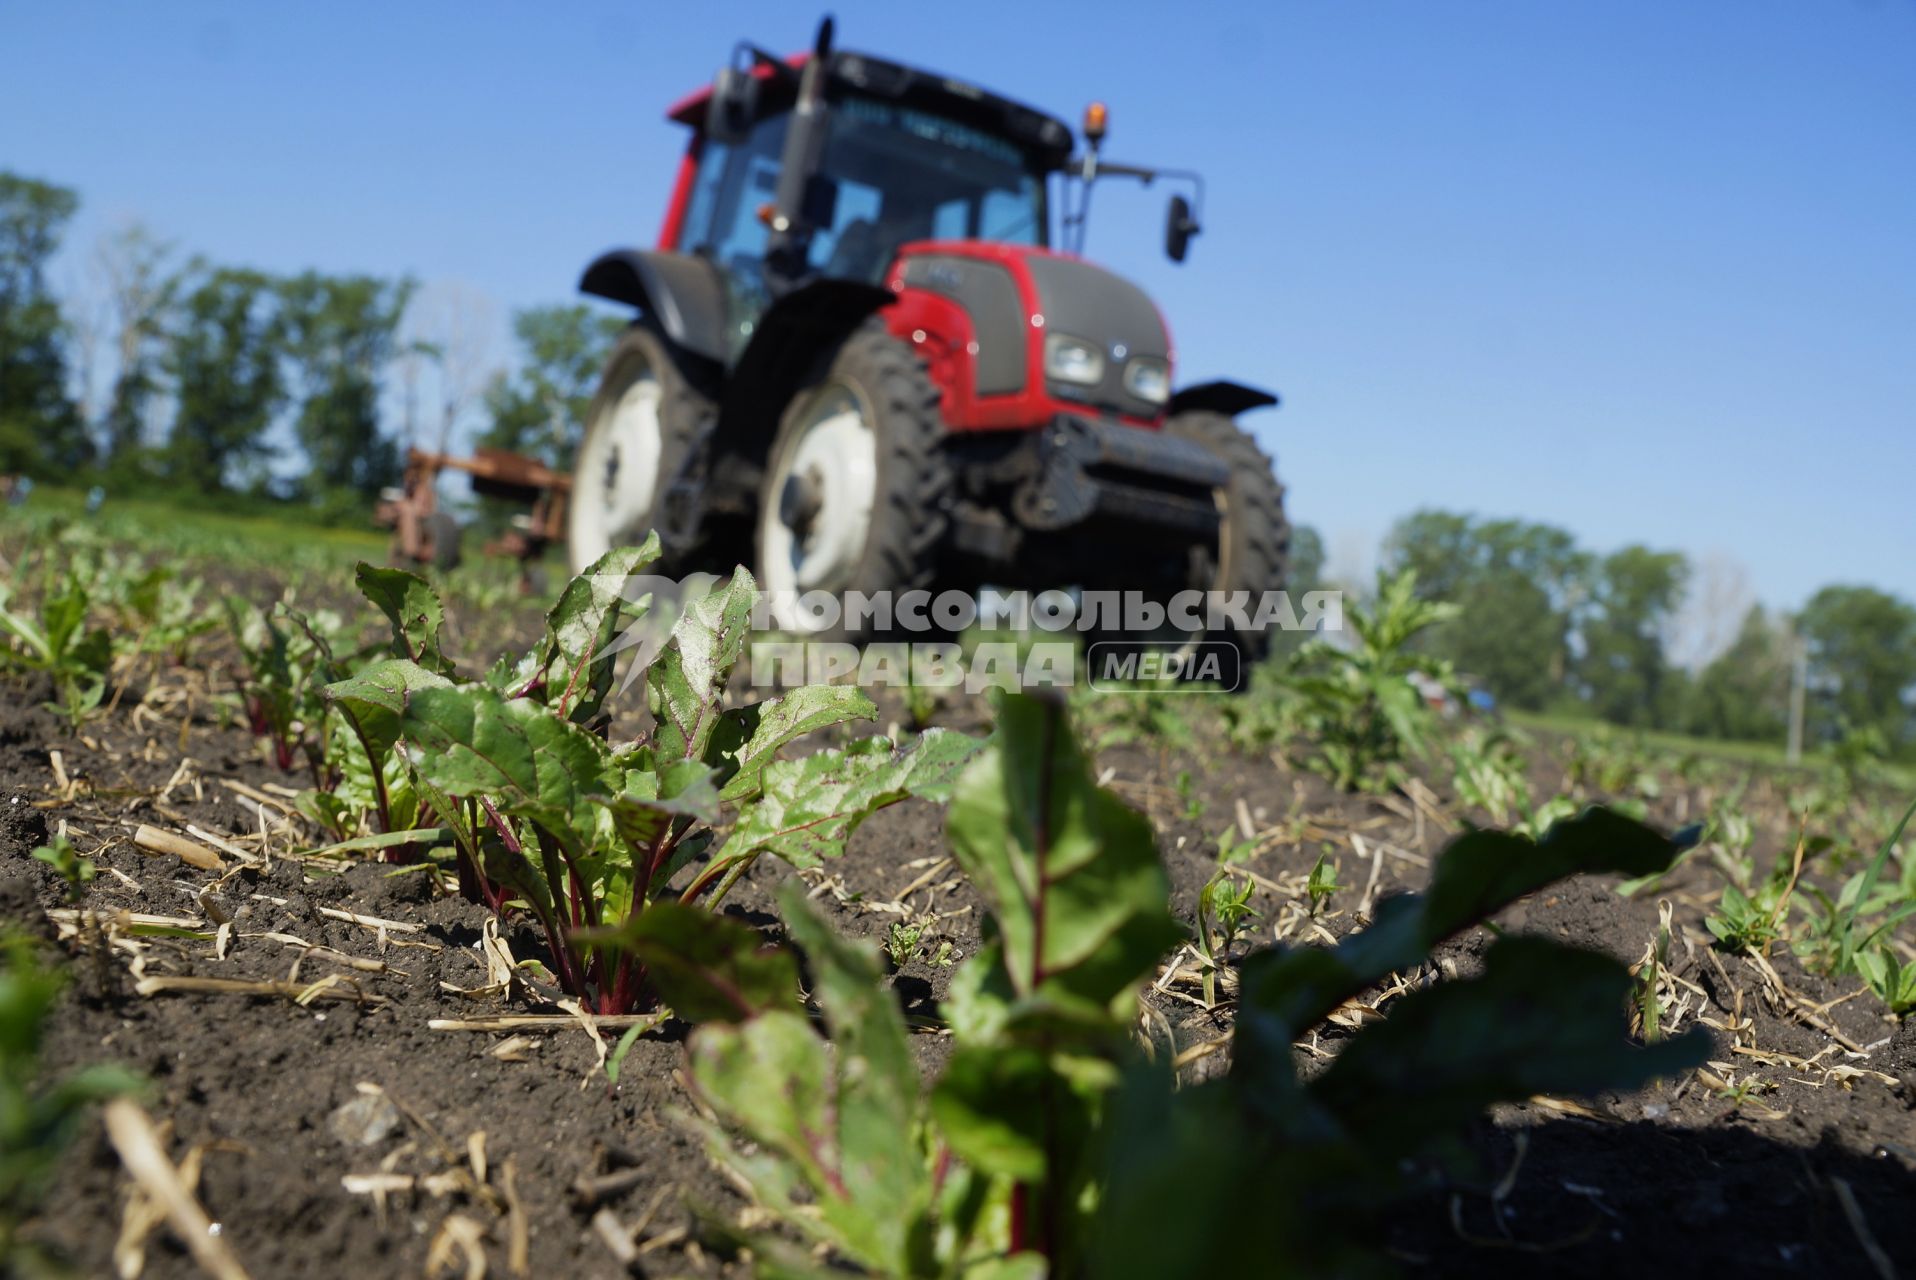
(856, 485)
(643, 425)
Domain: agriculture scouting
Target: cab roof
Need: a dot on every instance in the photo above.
(1045, 137)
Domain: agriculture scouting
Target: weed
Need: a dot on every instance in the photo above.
(1233, 848)
(1224, 908)
(1186, 789)
(901, 943)
(1360, 703)
(1322, 883)
(75, 871)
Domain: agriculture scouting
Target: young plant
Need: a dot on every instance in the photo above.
(38, 1118)
(56, 641)
(164, 613)
(76, 872)
(1360, 703)
(286, 658)
(1488, 772)
(837, 1140)
(1322, 883)
(1224, 907)
(1888, 978)
(588, 836)
(1233, 848)
(1104, 1164)
(901, 942)
(1193, 803)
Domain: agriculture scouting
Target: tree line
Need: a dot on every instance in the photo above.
(1547, 625)
(197, 377)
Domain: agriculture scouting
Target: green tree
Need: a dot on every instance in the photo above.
(1862, 653)
(1743, 693)
(223, 357)
(1624, 670)
(341, 333)
(40, 429)
(1516, 586)
(1306, 571)
(540, 410)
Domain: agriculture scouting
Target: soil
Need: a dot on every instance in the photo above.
(1807, 1175)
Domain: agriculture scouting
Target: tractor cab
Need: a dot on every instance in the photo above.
(889, 157)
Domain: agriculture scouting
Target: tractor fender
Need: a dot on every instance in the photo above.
(1227, 398)
(789, 338)
(682, 294)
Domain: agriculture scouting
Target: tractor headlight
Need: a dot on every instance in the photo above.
(1148, 379)
(1070, 359)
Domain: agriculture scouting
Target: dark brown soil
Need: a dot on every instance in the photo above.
(1685, 1175)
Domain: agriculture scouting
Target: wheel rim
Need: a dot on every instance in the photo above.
(617, 474)
(816, 517)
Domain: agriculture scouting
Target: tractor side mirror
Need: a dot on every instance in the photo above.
(728, 116)
(1179, 227)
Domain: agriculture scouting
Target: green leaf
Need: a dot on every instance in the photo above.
(1072, 874)
(994, 1105)
(762, 728)
(689, 676)
(375, 699)
(708, 968)
(413, 608)
(1542, 1018)
(1846, 926)
(770, 1077)
(808, 807)
(579, 652)
(883, 1184)
(470, 741)
(1283, 993)
(650, 803)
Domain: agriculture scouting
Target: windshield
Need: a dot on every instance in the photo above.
(903, 174)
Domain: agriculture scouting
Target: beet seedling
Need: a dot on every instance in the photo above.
(1102, 1163)
(57, 642)
(588, 835)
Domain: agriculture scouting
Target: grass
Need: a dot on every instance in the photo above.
(145, 522)
(1770, 755)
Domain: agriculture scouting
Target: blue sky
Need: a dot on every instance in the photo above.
(1645, 270)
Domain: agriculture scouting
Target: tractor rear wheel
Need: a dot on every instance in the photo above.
(645, 422)
(1252, 550)
(856, 487)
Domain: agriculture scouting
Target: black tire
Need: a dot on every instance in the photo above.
(911, 503)
(444, 533)
(685, 413)
(1253, 547)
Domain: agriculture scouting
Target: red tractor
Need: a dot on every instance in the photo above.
(859, 365)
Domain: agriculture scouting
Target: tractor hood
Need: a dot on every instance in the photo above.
(1110, 314)
(1024, 303)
